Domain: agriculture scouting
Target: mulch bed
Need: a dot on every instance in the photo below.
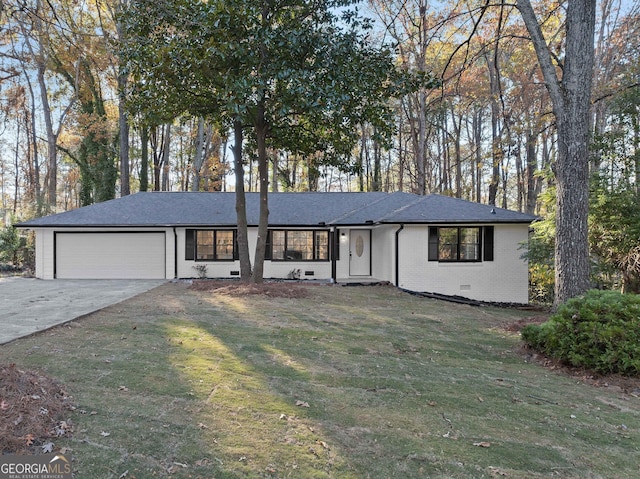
(32, 408)
(280, 289)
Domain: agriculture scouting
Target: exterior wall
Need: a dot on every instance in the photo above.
(503, 280)
(383, 255)
(44, 254)
(342, 265)
(231, 269)
(45, 248)
(214, 269)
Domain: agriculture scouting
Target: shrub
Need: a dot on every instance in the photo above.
(541, 283)
(599, 331)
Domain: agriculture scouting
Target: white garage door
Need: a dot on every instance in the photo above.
(110, 255)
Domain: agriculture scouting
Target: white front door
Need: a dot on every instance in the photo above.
(360, 253)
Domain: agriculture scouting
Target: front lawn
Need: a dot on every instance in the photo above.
(343, 382)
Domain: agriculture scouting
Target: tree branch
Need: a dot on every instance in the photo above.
(543, 53)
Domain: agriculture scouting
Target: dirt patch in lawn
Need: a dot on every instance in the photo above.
(518, 325)
(237, 288)
(32, 407)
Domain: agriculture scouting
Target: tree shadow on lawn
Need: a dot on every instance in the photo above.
(363, 395)
(342, 382)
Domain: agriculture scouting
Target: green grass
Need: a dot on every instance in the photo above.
(195, 385)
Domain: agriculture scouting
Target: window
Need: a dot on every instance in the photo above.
(210, 245)
(460, 244)
(298, 245)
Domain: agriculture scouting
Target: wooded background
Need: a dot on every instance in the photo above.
(483, 130)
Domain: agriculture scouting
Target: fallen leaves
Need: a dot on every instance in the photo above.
(176, 466)
(28, 439)
(482, 444)
(323, 444)
(31, 405)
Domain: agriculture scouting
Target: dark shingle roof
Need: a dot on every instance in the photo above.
(444, 209)
(285, 209)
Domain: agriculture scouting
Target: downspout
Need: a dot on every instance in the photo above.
(398, 255)
(175, 253)
(335, 253)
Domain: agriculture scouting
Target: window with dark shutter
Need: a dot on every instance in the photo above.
(298, 245)
(458, 244)
(210, 245)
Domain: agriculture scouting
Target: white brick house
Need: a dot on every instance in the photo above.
(432, 243)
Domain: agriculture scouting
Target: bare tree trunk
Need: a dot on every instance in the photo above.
(571, 99)
(157, 156)
(457, 133)
(532, 166)
(123, 120)
(520, 175)
(477, 134)
(363, 148)
(52, 141)
(144, 158)
(16, 159)
(376, 184)
(261, 129)
(35, 177)
(241, 204)
(496, 150)
(166, 166)
(123, 125)
(274, 171)
(421, 185)
(401, 150)
(198, 156)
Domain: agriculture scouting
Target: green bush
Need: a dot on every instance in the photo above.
(541, 283)
(599, 331)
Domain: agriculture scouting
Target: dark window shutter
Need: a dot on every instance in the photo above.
(433, 243)
(336, 245)
(236, 253)
(267, 253)
(190, 245)
(488, 244)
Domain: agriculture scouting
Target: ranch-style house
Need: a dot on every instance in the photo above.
(433, 243)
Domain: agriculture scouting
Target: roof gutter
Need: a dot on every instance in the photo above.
(398, 254)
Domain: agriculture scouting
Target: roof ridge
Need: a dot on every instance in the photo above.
(360, 208)
(419, 199)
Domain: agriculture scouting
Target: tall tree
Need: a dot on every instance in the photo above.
(570, 92)
(292, 74)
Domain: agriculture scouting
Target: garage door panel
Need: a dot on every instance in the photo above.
(110, 255)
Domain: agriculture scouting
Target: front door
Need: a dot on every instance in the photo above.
(360, 253)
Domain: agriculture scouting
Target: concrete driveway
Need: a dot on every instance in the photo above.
(30, 305)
